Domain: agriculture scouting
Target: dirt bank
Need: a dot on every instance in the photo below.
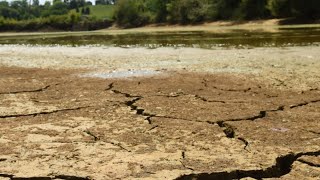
(206, 114)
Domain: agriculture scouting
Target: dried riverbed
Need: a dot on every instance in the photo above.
(107, 113)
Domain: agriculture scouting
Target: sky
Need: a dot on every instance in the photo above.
(43, 1)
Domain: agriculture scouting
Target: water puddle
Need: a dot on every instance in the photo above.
(281, 37)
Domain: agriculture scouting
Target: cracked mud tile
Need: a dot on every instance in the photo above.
(288, 130)
(165, 85)
(198, 154)
(197, 109)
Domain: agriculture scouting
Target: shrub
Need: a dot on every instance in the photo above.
(129, 13)
(279, 8)
(251, 9)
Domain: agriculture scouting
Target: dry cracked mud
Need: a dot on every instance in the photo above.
(56, 124)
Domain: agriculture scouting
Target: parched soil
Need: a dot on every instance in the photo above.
(208, 114)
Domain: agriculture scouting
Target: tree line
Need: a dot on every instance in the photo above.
(23, 15)
(75, 14)
(132, 13)
(22, 9)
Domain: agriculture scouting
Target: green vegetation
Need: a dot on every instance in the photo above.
(131, 13)
(61, 15)
(102, 11)
(20, 15)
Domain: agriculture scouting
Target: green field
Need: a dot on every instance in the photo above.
(102, 11)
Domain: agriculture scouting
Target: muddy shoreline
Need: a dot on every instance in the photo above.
(231, 113)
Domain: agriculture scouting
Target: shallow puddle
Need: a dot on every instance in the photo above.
(280, 37)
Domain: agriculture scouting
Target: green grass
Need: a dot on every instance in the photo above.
(102, 11)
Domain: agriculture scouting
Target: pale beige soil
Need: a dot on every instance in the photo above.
(206, 114)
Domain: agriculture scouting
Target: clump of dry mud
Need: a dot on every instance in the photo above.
(56, 124)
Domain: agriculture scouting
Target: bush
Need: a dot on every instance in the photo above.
(67, 22)
(279, 8)
(188, 11)
(305, 9)
(295, 8)
(129, 13)
(251, 9)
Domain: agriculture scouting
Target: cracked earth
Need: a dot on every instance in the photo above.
(211, 121)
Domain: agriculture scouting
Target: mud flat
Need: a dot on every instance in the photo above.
(115, 113)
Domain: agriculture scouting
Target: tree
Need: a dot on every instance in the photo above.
(305, 9)
(225, 8)
(73, 4)
(279, 8)
(159, 7)
(58, 8)
(129, 13)
(4, 4)
(251, 9)
(9, 13)
(87, 10)
(188, 11)
(35, 3)
(105, 2)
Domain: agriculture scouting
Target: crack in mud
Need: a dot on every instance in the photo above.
(310, 90)
(110, 86)
(313, 132)
(66, 177)
(246, 143)
(206, 100)
(185, 166)
(171, 95)
(281, 82)
(139, 111)
(153, 127)
(43, 113)
(205, 84)
(304, 103)
(233, 90)
(183, 157)
(6, 175)
(309, 163)
(96, 138)
(280, 168)
(63, 177)
(118, 144)
(262, 114)
(125, 94)
(131, 103)
(27, 91)
(229, 131)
